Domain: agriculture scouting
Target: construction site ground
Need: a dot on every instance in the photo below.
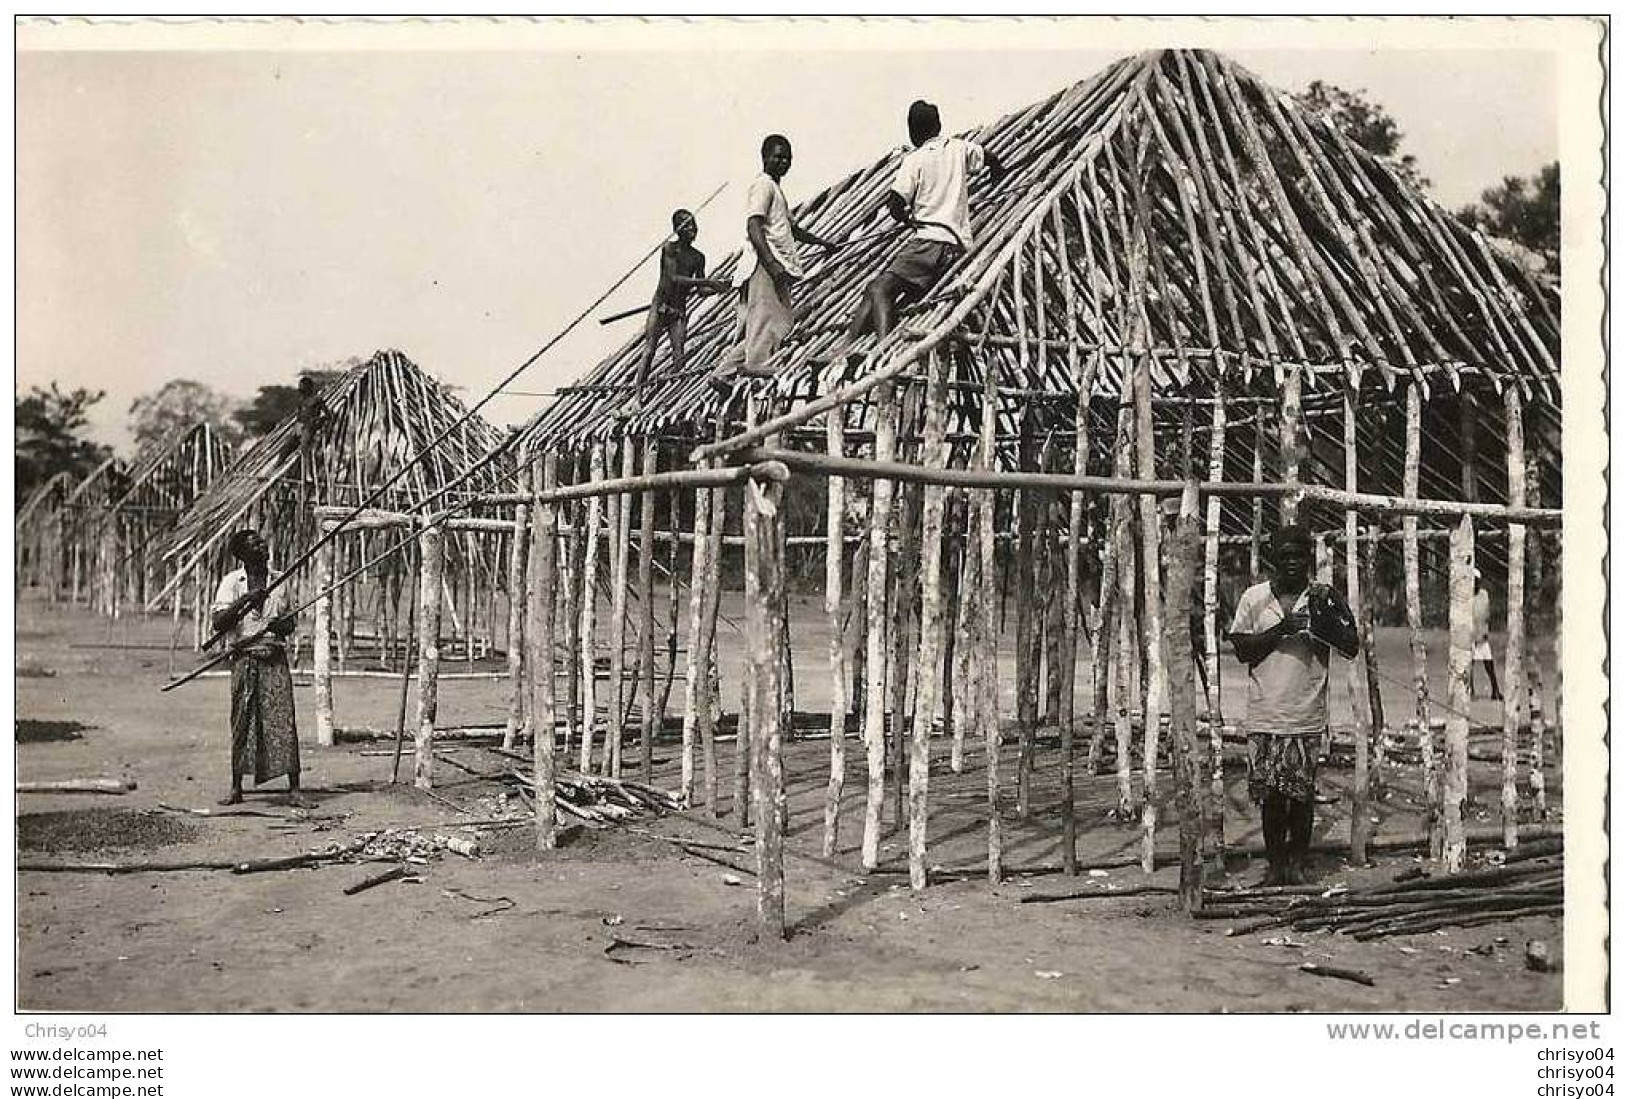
(620, 918)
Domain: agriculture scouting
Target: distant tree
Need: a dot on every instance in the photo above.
(51, 436)
(275, 403)
(178, 404)
(1527, 212)
(1367, 124)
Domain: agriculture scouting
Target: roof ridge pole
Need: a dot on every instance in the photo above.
(989, 276)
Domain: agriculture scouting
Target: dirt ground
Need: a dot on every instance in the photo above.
(515, 932)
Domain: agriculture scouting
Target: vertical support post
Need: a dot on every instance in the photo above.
(1360, 815)
(539, 637)
(874, 724)
(763, 607)
(1291, 438)
(711, 693)
(903, 638)
(619, 549)
(1210, 631)
(1431, 820)
(748, 697)
(694, 682)
(1536, 694)
(928, 677)
(517, 607)
(1514, 694)
(1029, 625)
(984, 695)
(428, 655)
(646, 597)
(322, 646)
(1255, 546)
(589, 612)
(1185, 746)
(834, 560)
(1460, 684)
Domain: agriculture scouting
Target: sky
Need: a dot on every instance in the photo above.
(232, 216)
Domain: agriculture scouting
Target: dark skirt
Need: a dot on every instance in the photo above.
(264, 742)
(1283, 765)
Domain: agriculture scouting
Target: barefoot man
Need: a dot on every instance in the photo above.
(682, 269)
(255, 624)
(770, 266)
(1284, 631)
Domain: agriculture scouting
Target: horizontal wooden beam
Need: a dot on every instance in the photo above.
(653, 482)
(1069, 482)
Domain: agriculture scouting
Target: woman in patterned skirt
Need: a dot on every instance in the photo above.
(254, 622)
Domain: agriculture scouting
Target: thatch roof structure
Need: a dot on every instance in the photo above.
(1273, 245)
(376, 418)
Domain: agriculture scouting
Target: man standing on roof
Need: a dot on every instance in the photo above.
(1283, 631)
(768, 270)
(930, 195)
(682, 269)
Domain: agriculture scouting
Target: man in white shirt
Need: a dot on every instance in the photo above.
(1284, 630)
(929, 195)
(768, 271)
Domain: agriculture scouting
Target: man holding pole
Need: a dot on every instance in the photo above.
(254, 622)
(1283, 631)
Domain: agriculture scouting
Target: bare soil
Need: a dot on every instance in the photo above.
(621, 919)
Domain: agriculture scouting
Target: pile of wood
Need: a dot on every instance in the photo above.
(1527, 888)
(597, 800)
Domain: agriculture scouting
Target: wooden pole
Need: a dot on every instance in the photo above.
(1126, 649)
(589, 613)
(1291, 438)
(694, 685)
(711, 693)
(1182, 552)
(428, 655)
(322, 647)
(764, 605)
(1029, 626)
(1537, 596)
(517, 610)
(985, 668)
(539, 637)
(1431, 803)
(1210, 632)
(834, 530)
(1460, 684)
(1514, 692)
(619, 551)
(963, 603)
(646, 597)
(874, 724)
(1360, 814)
(406, 678)
(905, 569)
(744, 756)
(925, 702)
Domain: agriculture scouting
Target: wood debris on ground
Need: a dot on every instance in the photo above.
(1528, 887)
